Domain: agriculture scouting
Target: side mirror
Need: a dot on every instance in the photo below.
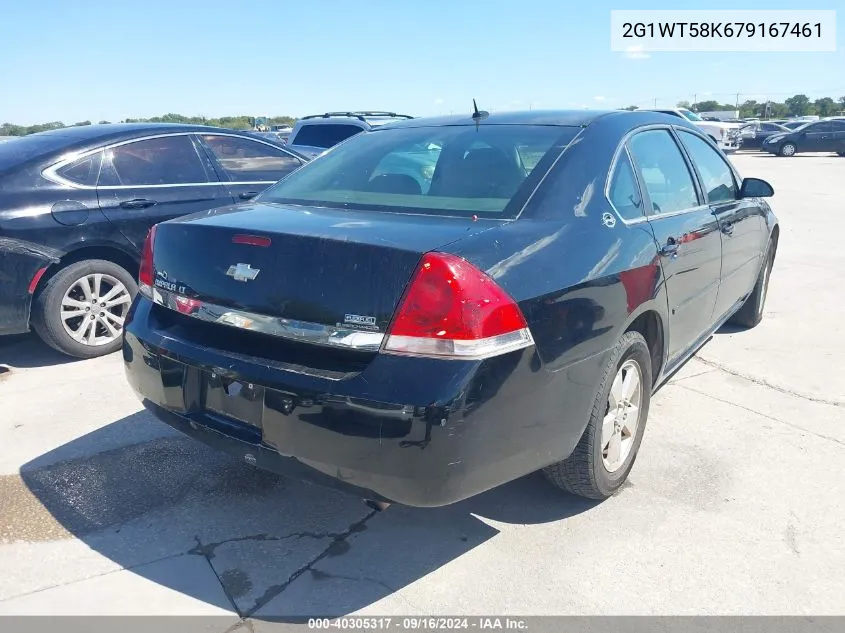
(755, 188)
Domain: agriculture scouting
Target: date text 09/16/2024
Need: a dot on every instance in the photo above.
(419, 623)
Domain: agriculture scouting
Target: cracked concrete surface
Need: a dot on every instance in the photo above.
(734, 505)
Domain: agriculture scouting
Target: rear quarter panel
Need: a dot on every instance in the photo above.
(580, 281)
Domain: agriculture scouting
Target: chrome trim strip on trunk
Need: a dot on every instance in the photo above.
(291, 329)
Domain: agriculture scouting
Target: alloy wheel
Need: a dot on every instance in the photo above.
(94, 309)
(619, 427)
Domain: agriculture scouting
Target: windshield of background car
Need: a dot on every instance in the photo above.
(445, 170)
(692, 116)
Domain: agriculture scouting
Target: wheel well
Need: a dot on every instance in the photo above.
(650, 326)
(108, 253)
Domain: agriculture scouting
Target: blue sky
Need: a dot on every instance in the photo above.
(112, 59)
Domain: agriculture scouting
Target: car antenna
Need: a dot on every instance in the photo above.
(477, 114)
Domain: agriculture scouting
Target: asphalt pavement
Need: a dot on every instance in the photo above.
(734, 505)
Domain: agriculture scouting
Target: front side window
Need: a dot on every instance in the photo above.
(663, 171)
(166, 160)
(624, 193)
(324, 135)
(243, 160)
(84, 171)
(446, 170)
(716, 175)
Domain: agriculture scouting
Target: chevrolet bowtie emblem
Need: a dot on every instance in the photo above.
(243, 272)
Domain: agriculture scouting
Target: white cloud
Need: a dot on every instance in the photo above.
(636, 52)
(438, 101)
(599, 98)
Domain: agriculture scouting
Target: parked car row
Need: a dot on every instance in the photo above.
(826, 135)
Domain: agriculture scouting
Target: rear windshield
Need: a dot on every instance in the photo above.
(446, 170)
(324, 135)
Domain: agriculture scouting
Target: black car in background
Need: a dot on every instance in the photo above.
(756, 132)
(77, 203)
(422, 334)
(816, 136)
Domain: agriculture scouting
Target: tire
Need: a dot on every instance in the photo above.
(66, 290)
(585, 472)
(787, 149)
(751, 312)
(841, 153)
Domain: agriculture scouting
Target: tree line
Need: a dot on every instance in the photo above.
(798, 105)
(230, 122)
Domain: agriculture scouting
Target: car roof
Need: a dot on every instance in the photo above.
(562, 118)
(48, 144)
(579, 118)
(79, 133)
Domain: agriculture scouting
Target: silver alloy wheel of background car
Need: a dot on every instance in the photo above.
(94, 308)
(788, 149)
(619, 427)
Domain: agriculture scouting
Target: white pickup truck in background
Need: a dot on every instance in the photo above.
(726, 135)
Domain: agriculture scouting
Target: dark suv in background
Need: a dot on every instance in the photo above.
(77, 203)
(314, 134)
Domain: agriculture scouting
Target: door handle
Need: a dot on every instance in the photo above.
(137, 203)
(247, 195)
(728, 228)
(670, 248)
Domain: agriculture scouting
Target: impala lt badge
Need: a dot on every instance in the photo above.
(243, 272)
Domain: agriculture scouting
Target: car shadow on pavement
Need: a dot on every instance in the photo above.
(142, 495)
(26, 351)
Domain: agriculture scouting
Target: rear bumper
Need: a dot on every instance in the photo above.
(420, 432)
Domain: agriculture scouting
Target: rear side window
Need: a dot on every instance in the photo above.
(324, 136)
(663, 171)
(83, 171)
(624, 193)
(444, 170)
(716, 175)
(166, 160)
(243, 160)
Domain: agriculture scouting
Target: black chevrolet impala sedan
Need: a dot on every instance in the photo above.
(439, 306)
(77, 203)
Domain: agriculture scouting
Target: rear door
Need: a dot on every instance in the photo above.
(248, 166)
(741, 221)
(146, 181)
(687, 235)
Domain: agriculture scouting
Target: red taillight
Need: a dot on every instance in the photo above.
(251, 240)
(186, 305)
(145, 275)
(452, 309)
(36, 278)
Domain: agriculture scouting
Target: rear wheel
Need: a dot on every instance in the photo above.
(81, 310)
(751, 312)
(788, 149)
(605, 454)
(841, 153)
